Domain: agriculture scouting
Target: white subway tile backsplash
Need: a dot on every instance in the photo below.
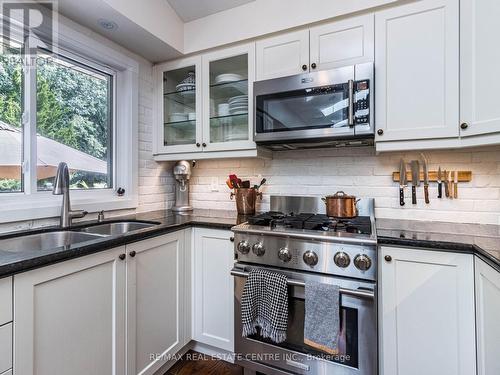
(361, 172)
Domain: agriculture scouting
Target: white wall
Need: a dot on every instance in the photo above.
(262, 17)
(155, 16)
(364, 174)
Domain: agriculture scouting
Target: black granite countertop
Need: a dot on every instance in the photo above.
(12, 262)
(481, 240)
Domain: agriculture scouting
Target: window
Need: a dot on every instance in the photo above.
(11, 109)
(74, 122)
(79, 105)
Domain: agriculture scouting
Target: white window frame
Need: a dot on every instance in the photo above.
(33, 204)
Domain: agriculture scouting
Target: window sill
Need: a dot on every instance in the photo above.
(49, 206)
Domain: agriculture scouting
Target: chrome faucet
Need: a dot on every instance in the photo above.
(61, 187)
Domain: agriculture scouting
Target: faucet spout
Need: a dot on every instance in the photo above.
(61, 187)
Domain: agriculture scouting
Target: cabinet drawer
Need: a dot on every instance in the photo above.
(5, 300)
(5, 347)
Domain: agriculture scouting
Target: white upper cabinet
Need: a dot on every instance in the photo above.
(178, 114)
(283, 55)
(342, 43)
(417, 71)
(204, 106)
(228, 77)
(426, 312)
(480, 59)
(487, 313)
(327, 46)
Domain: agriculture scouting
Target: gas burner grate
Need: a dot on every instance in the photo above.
(317, 222)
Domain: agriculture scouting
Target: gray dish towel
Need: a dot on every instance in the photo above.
(322, 320)
(264, 304)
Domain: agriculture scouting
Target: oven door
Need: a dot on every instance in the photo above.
(305, 107)
(357, 339)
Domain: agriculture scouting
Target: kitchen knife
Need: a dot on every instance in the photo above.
(415, 179)
(426, 179)
(402, 182)
(455, 185)
(450, 185)
(440, 184)
(446, 184)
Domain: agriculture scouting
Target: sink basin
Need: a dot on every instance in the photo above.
(45, 241)
(110, 229)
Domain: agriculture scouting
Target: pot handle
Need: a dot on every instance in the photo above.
(231, 196)
(339, 194)
(324, 200)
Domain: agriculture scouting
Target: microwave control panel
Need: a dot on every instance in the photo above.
(362, 102)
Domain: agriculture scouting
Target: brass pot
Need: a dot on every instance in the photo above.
(245, 200)
(341, 206)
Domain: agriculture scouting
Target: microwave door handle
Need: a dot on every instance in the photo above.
(350, 111)
(359, 293)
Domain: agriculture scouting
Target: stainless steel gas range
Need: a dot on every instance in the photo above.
(297, 239)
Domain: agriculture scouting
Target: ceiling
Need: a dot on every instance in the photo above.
(189, 10)
(128, 34)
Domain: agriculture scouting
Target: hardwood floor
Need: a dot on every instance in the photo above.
(200, 364)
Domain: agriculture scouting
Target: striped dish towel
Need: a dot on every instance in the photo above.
(264, 304)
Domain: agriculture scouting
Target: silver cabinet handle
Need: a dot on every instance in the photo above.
(350, 111)
(349, 292)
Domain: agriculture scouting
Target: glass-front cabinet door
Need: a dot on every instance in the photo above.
(228, 78)
(180, 115)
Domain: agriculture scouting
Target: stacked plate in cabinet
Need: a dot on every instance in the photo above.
(238, 105)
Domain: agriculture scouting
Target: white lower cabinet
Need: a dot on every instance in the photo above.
(155, 302)
(487, 315)
(426, 313)
(213, 289)
(5, 347)
(69, 318)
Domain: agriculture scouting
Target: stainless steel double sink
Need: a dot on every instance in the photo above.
(59, 238)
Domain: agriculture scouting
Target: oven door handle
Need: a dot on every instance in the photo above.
(349, 292)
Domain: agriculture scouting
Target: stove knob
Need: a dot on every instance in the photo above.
(243, 247)
(310, 258)
(285, 255)
(362, 262)
(341, 259)
(258, 249)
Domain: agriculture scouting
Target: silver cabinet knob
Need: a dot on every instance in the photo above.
(258, 249)
(342, 259)
(243, 247)
(362, 262)
(310, 258)
(284, 255)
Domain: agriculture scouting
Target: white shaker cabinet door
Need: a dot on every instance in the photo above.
(155, 302)
(426, 312)
(283, 55)
(487, 314)
(417, 71)
(341, 43)
(213, 257)
(69, 318)
(479, 62)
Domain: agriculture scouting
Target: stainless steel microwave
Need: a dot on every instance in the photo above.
(326, 107)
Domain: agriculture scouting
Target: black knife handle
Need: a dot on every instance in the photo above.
(426, 194)
(440, 190)
(401, 196)
(414, 195)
